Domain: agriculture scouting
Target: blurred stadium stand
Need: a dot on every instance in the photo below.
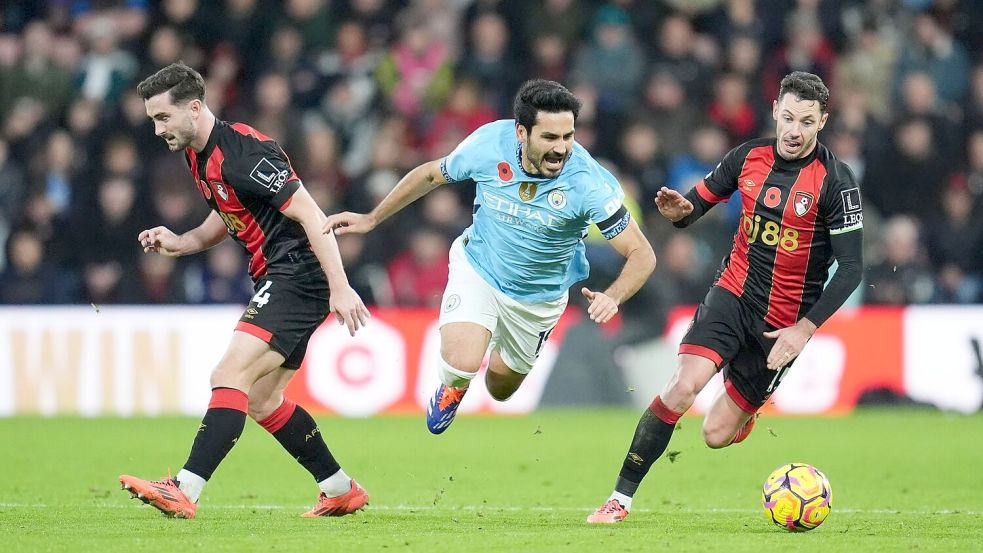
(360, 91)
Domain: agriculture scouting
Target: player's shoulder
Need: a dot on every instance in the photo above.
(495, 132)
(755, 144)
(838, 171)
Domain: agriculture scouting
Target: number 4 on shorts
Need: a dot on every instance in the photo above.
(262, 297)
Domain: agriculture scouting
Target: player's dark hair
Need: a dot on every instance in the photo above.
(805, 86)
(183, 83)
(541, 95)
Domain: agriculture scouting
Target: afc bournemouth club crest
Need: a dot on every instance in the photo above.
(802, 203)
(220, 190)
(527, 191)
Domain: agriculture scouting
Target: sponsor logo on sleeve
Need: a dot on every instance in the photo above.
(266, 174)
(851, 200)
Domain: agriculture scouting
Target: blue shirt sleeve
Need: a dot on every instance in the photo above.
(604, 204)
(460, 164)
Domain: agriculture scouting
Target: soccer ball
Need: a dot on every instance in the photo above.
(797, 497)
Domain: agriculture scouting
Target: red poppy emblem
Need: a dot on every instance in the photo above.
(773, 197)
(504, 171)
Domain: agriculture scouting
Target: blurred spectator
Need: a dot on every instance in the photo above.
(612, 60)
(353, 56)
(919, 100)
(974, 110)
(708, 146)
(955, 245)
(416, 73)
(56, 172)
(37, 74)
(684, 273)
(564, 18)
(666, 106)
(909, 179)
(314, 20)
(489, 62)
(805, 49)
(368, 279)
(106, 69)
(13, 190)
(28, 277)
(222, 278)
(641, 158)
(731, 110)
(463, 113)
(418, 275)
(375, 16)
(931, 49)
(867, 66)
(903, 275)
(550, 57)
(318, 164)
(442, 211)
(676, 55)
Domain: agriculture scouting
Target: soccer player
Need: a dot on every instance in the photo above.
(258, 199)
(537, 193)
(800, 211)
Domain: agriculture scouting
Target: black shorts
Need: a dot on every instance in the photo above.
(285, 311)
(729, 333)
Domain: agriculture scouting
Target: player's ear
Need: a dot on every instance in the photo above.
(195, 107)
(774, 110)
(822, 120)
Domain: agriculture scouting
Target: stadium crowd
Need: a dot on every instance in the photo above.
(359, 91)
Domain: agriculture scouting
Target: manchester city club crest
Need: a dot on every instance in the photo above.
(557, 199)
(527, 191)
(802, 203)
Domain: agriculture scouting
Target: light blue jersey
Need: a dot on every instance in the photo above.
(527, 236)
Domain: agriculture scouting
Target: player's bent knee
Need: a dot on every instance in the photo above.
(717, 435)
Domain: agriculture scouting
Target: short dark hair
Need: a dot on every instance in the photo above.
(806, 86)
(541, 95)
(183, 83)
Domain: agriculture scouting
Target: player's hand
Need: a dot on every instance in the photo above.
(347, 222)
(602, 307)
(672, 205)
(161, 240)
(789, 343)
(348, 308)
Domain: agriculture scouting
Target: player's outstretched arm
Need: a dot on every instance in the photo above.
(410, 188)
(639, 264)
(345, 302)
(161, 240)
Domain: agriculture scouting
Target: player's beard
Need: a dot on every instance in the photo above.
(180, 139)
(538, 161)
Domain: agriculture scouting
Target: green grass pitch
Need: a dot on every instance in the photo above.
(907, 480)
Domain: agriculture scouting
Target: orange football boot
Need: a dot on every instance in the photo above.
(344, 504)
(163, 494)
(609, 513)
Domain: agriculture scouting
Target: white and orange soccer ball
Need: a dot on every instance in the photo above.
(797, 497)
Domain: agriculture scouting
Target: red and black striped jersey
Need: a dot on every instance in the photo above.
(790, 209)
(247, 179)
